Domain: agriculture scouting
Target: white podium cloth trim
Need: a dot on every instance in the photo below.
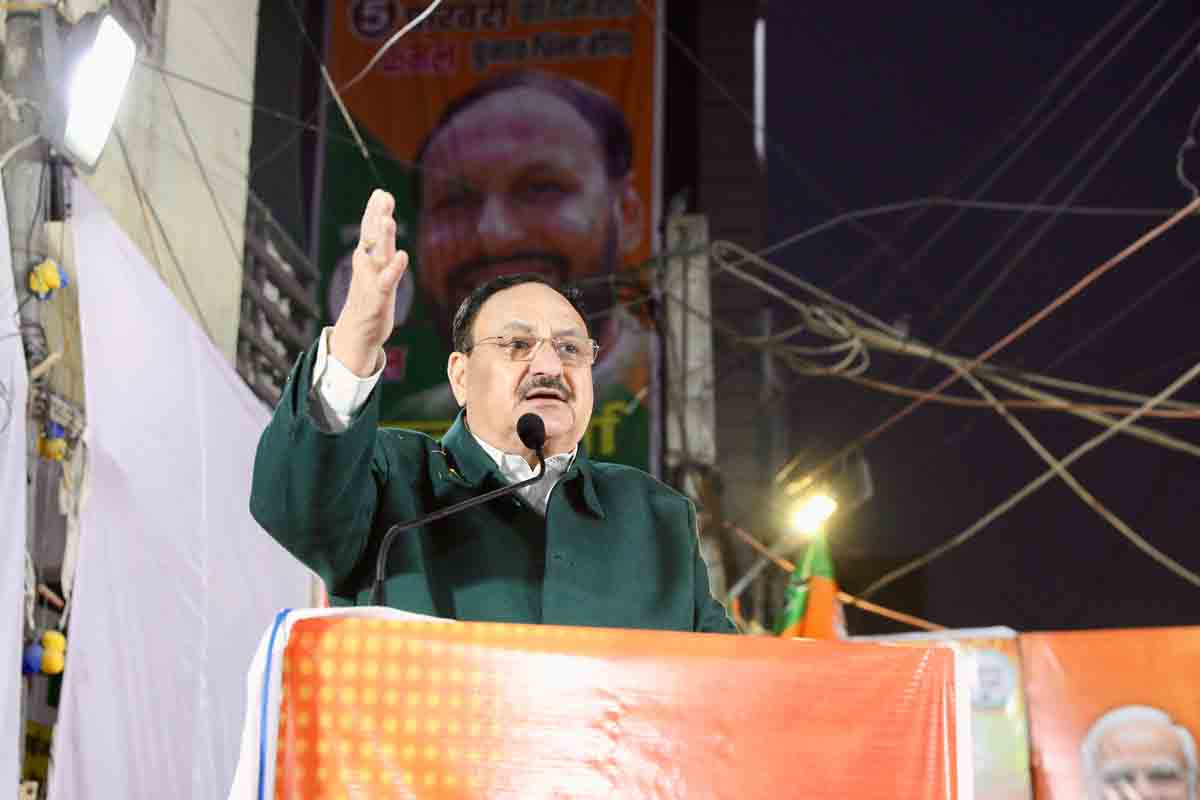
(255, 775)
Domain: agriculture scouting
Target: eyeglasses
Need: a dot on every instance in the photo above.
(572, 351)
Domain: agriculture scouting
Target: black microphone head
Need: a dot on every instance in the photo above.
(531, 431)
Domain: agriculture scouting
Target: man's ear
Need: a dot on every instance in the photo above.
(456, 371)
(631, 213)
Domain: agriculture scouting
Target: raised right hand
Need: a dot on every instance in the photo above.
(367, 318)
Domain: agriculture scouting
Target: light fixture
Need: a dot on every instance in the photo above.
(810, 512)
(806, 506)
(808, 516)
(840, 488)
(87, 75)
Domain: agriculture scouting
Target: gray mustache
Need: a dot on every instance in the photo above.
(548, 382)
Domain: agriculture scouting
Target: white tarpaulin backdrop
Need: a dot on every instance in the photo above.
(13, 388)
(175, 582)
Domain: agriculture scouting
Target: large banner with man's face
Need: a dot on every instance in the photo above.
(1115, 713)
(517, 136)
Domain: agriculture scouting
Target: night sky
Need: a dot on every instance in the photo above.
(878, 103)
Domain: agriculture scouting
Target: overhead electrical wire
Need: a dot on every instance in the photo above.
(1031, 487)
(1038, 399)
(1091, 337)
(1043, 96)
(845, 597)
(873, 338)
(220, 171)
(1128, 309)
(1017, 386)
(395, 37)
(1174, 361)
(1060, 469)
(1189, 143)
(1003, 275)
(1083, 388)
(140, 190)
(1030, 405)
(655, 262)
(212, 192)
(1058, 109)
(309, 121)
(272, 112)
(18, 147)
(336, 92)
(1009, 338)
(879, 335)
(936, 202)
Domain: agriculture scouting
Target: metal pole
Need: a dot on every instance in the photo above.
(23, 80)
(691, 451)
(776, 448)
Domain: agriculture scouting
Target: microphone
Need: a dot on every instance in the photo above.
(531, 430)
(532, 433)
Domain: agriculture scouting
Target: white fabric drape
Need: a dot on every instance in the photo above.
(174, 581)
(13, 447)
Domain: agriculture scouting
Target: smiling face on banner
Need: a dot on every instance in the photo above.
(520, 180)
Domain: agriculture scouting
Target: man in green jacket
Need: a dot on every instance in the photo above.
(589, 544)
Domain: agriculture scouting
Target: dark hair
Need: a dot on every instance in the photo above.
(464, 318)
(604, 116)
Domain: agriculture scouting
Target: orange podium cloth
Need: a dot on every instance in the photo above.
(380, 708)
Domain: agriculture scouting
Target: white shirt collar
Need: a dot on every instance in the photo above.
(515, 467)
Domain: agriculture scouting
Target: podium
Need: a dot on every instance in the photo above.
(367, 703)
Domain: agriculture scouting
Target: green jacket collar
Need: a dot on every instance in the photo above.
(474, 465)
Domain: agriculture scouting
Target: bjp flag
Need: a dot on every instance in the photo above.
(812, 609)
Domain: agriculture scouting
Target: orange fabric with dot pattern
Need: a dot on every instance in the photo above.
(374, 708)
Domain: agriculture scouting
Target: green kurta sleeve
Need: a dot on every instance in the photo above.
(314, 491)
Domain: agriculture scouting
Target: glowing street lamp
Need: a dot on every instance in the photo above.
(840, 489)
(806, 506)
(811, 513)
(808, 517)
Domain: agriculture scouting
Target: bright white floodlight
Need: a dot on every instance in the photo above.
(95, 88)
(88, 72)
